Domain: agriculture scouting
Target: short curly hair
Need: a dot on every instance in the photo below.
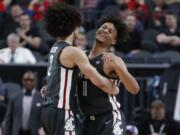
(120, 26)
(61, 20)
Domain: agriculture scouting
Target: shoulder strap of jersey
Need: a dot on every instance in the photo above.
(64, 45)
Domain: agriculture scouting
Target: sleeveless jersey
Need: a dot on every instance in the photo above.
(92, 100)
(61, 81)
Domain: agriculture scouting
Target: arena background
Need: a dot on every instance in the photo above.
(154, 62)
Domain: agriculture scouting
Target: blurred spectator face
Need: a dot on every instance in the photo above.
(16, 12)
(107, 34)
(29, 81)
(81, 41)
(25, 21)
(124, 12)
(130, 22)
(170, 20)
(159, 3)
(13, 41)
(157, 111)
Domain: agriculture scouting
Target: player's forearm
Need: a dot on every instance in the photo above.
(127, 79)
(103, 83)
(107, 86)
(99, 81)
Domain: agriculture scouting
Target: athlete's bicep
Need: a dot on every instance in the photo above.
(81, 60)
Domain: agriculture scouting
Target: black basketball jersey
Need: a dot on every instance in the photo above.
(92, 100)
(61, 81)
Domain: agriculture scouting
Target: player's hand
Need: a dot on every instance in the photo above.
(114, 61)
(116, 82)
(43, 91)
(109, 56)
(115, 86)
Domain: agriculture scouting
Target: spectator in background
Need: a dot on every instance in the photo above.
(123, 11)
(158, 14)
(132, 4)
(173, 4)
(158, 122)
(133, 43)
(169, 38)
(131, 130)
(14, 53)
(38, 7)
(29, 35)
(81, 41)
(4, 5)
(102, 4)
(23, 113)
(140, 8)
(135, 5)
(2, 102)
(90, 14)
(11, 21)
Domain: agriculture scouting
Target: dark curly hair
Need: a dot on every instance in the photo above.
(122, 33)
(61, 20)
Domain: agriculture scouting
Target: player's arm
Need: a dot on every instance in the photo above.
(79, 59)
(118, 66)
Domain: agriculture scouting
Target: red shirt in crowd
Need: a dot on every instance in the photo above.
(2, 6)
(40, 8)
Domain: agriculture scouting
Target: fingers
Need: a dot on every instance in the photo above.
(116, 82)
(108, 57)
(43, 91)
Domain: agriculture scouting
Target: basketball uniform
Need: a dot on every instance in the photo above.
(58, 114)
(101, 110)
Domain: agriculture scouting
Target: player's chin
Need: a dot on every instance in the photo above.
(100, 39)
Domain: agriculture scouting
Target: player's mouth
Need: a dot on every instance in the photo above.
(102, 34)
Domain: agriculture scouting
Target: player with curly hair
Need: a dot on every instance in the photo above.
(102, 114)
(59, 111)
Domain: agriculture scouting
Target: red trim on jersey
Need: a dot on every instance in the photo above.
(65, 88)
(116, 111)
(115, 102)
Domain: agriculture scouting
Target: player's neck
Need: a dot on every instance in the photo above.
(68, 39)
(97, 50)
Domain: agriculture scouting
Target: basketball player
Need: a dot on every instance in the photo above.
(58, 118)
(102, 110)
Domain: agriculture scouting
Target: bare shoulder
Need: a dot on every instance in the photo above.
(71, 51)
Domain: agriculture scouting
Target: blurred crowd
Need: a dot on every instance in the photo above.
(153, 27)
